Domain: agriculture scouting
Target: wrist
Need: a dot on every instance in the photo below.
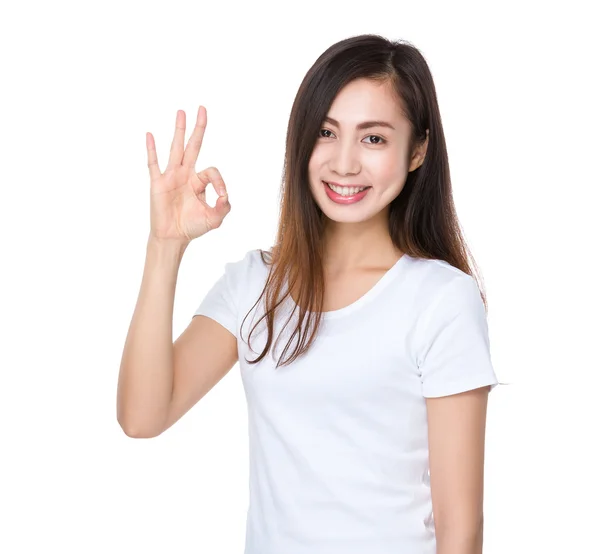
(167, 243)
(166, 248)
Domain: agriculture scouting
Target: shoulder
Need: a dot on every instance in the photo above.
(442, 290)
(450, 308)
(247, 269)
(435, 276)
(248, 260)
(254, 261)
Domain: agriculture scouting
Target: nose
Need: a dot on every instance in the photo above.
(344, 159)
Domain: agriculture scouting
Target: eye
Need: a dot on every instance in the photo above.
(381, 139)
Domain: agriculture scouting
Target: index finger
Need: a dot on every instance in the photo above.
(152, 158)
(195, 142)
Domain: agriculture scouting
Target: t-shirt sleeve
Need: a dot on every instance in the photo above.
(454, 353)
(221, 302)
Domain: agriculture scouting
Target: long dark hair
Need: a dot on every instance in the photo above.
(422, 218)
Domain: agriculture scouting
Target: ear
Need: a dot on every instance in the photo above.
(419, 154)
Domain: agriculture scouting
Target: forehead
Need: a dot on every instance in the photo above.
(364, 99)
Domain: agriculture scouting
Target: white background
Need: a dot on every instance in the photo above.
(83, 82)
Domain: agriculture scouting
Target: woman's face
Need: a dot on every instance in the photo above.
(376, 156)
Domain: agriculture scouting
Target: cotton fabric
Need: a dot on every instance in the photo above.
(338, 440)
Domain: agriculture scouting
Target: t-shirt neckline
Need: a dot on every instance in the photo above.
(370, 295)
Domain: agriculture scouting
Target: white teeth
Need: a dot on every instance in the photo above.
(345, 191)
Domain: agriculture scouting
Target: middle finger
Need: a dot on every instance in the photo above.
(177, 144)
(195, 142)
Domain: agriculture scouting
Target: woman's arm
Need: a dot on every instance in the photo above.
(456, 435)
(146, 374)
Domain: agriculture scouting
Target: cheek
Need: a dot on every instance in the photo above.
(389, 169)
(315, 170)
(315, 161)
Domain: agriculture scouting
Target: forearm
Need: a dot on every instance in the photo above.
(458, 542)
(146, 373)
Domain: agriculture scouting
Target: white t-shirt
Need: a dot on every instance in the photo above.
(338, 439)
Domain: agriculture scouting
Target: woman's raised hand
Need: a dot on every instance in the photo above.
(178, 208)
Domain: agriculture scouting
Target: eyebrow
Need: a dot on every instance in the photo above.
(363, 125)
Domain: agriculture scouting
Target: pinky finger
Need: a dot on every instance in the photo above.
(152, 159)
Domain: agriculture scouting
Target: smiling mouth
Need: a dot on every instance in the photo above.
(345, 190)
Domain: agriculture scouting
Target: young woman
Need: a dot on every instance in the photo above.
(361, 334)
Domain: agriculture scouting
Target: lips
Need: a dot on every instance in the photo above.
(363, 187)
(340, 185)
(344, 199)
